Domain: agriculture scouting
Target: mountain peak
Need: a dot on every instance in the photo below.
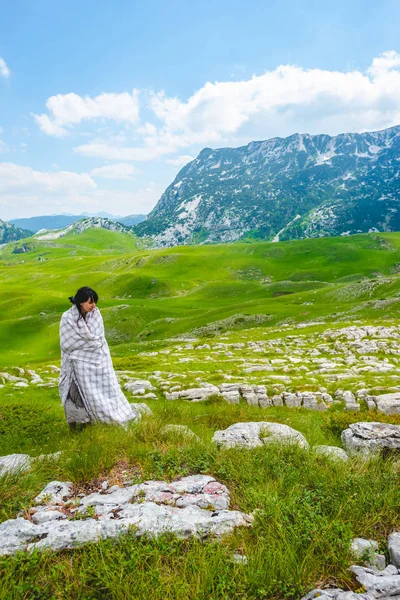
(282, 188)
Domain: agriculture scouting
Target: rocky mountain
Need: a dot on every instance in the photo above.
(35, 224)
(11, 233)
(283, 188)
(81, 226)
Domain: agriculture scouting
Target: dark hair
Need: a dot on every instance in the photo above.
(83, 295)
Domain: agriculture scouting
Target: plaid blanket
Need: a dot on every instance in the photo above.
(86, 360)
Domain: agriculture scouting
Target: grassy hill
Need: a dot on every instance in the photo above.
(149, 295)
(276, 315)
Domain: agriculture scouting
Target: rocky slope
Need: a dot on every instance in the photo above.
(81, 226)
(35, 224)
(283, 188)
(11, 233)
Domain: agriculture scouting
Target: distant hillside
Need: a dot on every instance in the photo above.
(11, 233)
(81, 226)
(130, 220)
(35, 224)
(283, 188)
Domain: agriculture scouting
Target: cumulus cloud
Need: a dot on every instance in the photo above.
(66, 110)
(280, 102)
(4, 70)
(117, 171)
(16, 177)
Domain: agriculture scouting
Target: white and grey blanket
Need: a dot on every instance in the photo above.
(86, 361)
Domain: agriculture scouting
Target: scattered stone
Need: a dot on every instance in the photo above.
(14, 463)
(180, 430)
(141, 408)
(367, 550)
(240, 559)
(378, 584)
(254, 434)
(333, 452)
(54, 492)
(394, 548)
(138, 386)
(366, 438)
(389, 404)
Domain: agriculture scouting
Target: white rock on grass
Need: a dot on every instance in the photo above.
(180, 430)
(192, 506)
(378, 584)
(138, 386)
(333, 452)
(141, 408)
(255, 434)
(367, 550)
(194, 394)
(367, 438)
(14, 463)
(394, 548)
(389, 404)
(55, 492)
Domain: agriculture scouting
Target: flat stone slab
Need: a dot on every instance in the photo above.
(191, 506)
(255, 434)
(367, 438)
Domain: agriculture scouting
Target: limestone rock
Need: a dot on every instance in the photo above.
(141, 408)
(14, 463)
(254, 434)
(389, 404)
(54, 492)
(138, 386)
(180, 430)
(371, 437)
(192, 506)
(394, 548)
(378, 585)
(333, 452)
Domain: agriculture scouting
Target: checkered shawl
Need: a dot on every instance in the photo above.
(86, 359)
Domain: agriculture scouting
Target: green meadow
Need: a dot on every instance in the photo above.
(181, 317)
(150, 296)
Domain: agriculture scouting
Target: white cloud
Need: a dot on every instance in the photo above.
(280, 102)
(117, 171)
(180, 161)
(109, 152)
(66, 110)
(16, 177)
(4, 70)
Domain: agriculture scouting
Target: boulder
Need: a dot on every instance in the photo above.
(366, 438)
(254, 434)
(389, 404)
(333, 452)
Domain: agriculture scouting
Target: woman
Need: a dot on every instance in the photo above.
(88, 386)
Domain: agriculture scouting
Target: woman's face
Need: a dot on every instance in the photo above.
(88, 306)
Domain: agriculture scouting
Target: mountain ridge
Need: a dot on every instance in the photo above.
(283, 188)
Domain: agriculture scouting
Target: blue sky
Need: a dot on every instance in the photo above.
(102, 103)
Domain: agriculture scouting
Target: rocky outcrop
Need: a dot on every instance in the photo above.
(192, 506)
(367, 438)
